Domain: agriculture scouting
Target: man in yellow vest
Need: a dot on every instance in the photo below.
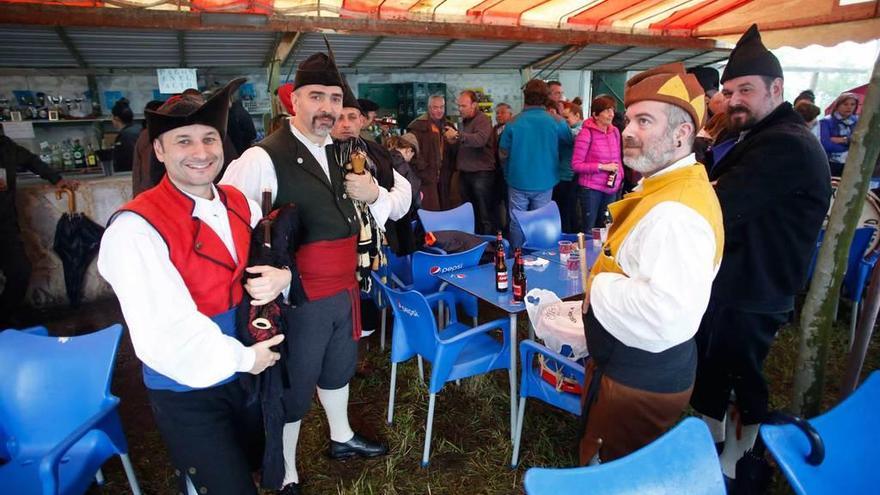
(650, 285)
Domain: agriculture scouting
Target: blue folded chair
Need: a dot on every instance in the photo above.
(850, 436)
(60, 422)
(542, 228)
(682, 461)
(460, 218)
(532, 385)
(455, 352)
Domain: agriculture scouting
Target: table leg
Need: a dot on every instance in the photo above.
(513, 397)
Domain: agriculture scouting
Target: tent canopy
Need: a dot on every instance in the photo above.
(415, 34)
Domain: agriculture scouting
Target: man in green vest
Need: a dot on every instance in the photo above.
(650, 285)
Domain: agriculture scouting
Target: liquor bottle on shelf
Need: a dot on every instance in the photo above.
(519, 278)
(57, 161)
(67, 155)
(91, 157)
(79, 158)
(501, 281)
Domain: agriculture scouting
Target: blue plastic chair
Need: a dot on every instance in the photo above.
(426, 265)
(60, 421)
(858, 271)
(532, 385)
(851, 437)
(396, 272)
(683, 460)
(542, 228)
(455, 352)
(37, 330)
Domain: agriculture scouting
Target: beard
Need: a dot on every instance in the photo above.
(740, 118)
(320, 128)
(655, 154)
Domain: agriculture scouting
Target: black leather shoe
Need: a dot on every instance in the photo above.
(290, 489)
(359, 446)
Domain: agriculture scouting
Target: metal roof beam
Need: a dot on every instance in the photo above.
(643, 60)
(181, 48)
(434, 53)
(496, 55)
(549, 59)
(68, 43)
(40, 14)
(606, 57)
(362, 55)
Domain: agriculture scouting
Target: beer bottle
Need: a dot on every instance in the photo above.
(519, 278)
(501, 282)
(611, 178)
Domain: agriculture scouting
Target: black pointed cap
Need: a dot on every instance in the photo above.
(348, 99)
(707, 76)
(183, 110)
(751, 58)
(317, 69)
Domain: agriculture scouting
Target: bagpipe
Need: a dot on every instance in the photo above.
(352, 157)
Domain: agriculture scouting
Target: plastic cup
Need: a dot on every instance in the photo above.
(564, 251)
(603, 234)
(597, 236)
(574, 261)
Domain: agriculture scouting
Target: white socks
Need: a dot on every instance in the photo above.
(289, 438)
(716, 428)
(735, 448)
(335, 403)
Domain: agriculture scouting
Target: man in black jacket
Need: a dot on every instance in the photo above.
(14, 263)
(773, 184)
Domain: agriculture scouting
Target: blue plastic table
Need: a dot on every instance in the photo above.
(555, 276)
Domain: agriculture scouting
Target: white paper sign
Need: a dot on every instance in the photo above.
(18, 130)
(176, 80)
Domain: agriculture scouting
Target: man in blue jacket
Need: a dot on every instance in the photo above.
(529, 152)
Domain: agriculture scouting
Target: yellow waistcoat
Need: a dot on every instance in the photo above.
(688, 185)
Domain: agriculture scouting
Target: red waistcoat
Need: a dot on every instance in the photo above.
(208, 270)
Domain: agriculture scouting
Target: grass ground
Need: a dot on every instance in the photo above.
(471, 446)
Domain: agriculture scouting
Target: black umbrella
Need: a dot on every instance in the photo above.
(77, 239)
(273, 240)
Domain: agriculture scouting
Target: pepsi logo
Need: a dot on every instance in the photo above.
(435, 270)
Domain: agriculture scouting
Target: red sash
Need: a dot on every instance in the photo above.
(328, 268)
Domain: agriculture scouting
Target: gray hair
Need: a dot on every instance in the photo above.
(676, 116)
(437, 96)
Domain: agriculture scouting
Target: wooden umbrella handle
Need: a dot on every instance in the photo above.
(71, 198)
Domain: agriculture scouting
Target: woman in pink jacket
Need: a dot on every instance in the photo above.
(596, 161)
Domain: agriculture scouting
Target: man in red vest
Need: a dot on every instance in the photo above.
(175, 257)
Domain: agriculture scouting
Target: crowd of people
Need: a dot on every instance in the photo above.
(727, 189)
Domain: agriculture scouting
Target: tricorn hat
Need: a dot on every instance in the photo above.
(183, 110)
(668, 83)
(751, 58)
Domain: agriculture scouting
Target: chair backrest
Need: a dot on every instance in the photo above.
(851, 436)
(532, 385)
(681, 461)
(51, 385)
(426, 265)
(542, 228)
(415, 329)
(37, 330)
(861, 241)
(460, 218)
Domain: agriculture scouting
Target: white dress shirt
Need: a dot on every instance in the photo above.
(253, 172)
(169, 333)
(669, 259)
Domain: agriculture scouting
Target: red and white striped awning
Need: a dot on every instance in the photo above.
(783, 22)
